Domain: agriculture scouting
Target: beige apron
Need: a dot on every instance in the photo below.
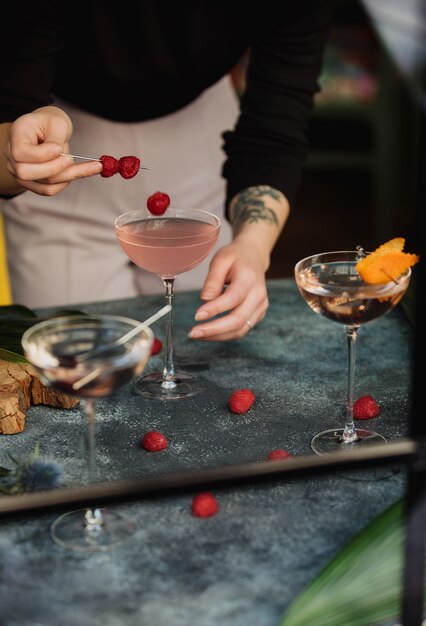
(63, 250)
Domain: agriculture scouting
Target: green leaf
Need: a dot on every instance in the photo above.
(362, 584)
(15, 319)
(36, 454)
(12, 357)
(15, 311)
(13, 458)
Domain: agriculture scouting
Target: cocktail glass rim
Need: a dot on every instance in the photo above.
(368, 288)
(70, 319)
(171, 212)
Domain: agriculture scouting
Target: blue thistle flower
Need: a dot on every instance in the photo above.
(30, 474)
(38, 475)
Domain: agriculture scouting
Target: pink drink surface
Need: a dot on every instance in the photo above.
(344, 297)
(167, 246)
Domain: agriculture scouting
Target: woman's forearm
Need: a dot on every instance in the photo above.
(258, 215)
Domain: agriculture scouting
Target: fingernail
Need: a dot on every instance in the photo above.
(201, 315)
(207, 295)
(195, 333)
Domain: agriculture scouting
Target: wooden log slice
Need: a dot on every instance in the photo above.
(21, 386)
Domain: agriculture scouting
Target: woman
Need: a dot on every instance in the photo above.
(151, 79)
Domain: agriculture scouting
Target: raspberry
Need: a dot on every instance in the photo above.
(110, 165)
(204, 504)
(158, 203)
(153, 441)
(157, 345)
(129, 166)
(241, 400)
(278, 455)
(365, 408)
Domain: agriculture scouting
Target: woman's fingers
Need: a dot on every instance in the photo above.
(234, 328)
(28, 171)
(217, 276)
(20, 150)
(242, 305)
(42, 189)
(75, 171)
(35, 148)
(231, 297)
(48, 179)
(237, 278)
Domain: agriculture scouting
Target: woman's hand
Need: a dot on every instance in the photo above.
(33, 154)
(235, 288)
(245, 297)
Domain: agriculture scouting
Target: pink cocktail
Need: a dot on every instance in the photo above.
(167, 245)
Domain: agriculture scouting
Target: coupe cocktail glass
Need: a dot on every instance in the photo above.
(167, 245)
(332, 287)
(59, 348)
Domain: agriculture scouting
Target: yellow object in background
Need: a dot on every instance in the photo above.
(5, 294)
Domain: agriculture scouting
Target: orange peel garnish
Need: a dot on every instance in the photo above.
(386, 263)
(393, 245)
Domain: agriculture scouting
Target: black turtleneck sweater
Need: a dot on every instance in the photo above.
(139, 60)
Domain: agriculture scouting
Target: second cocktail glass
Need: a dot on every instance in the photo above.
(332, 287)
(167, 245)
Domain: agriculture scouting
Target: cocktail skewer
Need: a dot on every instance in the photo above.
(118, 342)
(87, 158)
(394, 280)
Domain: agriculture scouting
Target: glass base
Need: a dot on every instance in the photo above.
(184, 385)
(85, 530)
(331, 440)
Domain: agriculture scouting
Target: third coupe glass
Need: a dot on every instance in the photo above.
(332, 287)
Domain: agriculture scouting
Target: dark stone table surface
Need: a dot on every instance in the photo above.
(243, 566)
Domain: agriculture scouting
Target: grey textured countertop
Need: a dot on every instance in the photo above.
(245, 565)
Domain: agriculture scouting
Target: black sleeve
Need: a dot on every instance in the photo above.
(32, 34)
(269, 143)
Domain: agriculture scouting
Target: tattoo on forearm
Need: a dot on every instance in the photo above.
(251, 206)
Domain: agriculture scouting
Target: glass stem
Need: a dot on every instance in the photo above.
(349, 432)
(169, 370)
(93, 517)
(89, 408)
